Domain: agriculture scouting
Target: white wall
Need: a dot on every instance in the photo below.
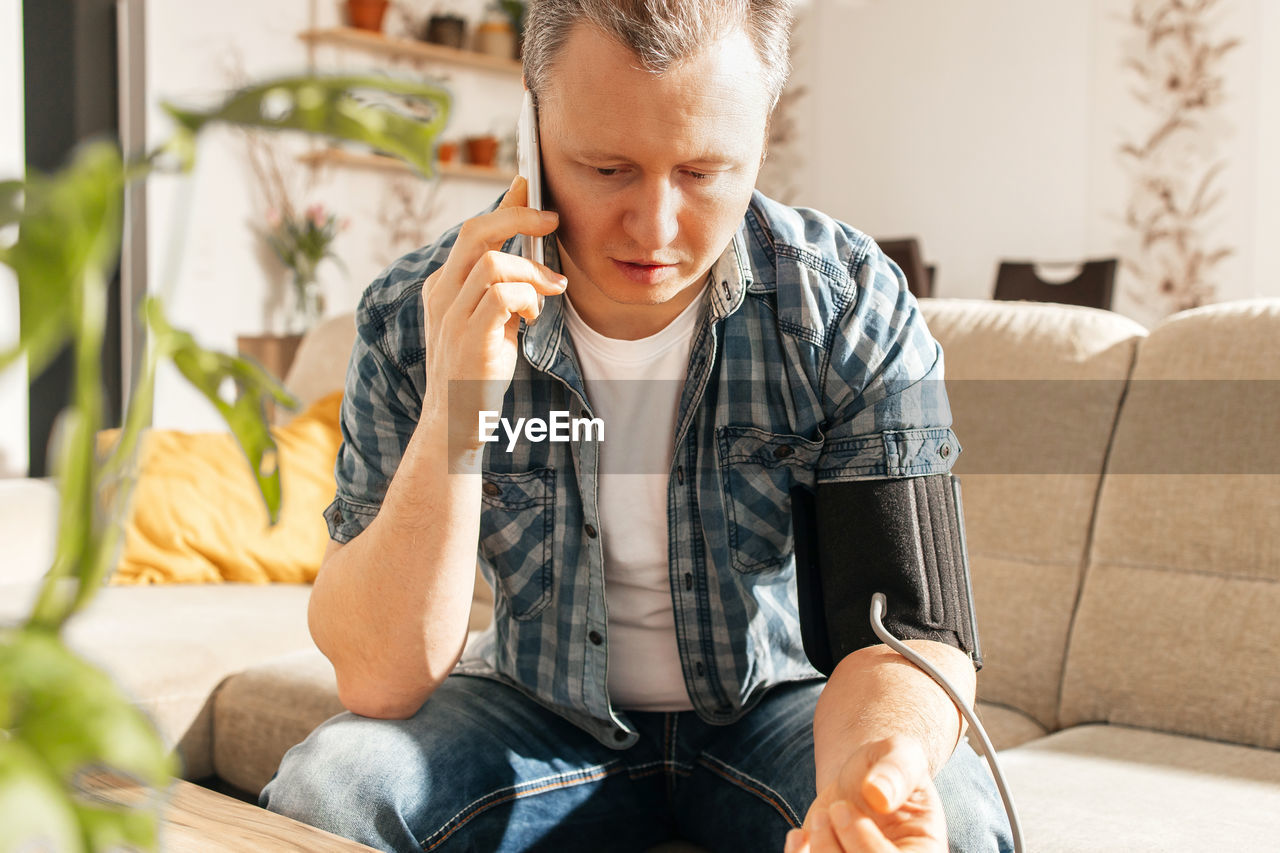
(226, 284)
(13, 382)
(920, 128)
(990, 129)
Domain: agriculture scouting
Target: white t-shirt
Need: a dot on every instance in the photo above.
(634, 387)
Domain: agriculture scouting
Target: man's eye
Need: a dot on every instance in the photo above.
(606, 172)
(700, 176)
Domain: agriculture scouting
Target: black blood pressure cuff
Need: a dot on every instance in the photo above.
(901, 537)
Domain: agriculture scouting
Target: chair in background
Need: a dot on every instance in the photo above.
(1092, 287)
(906, 254)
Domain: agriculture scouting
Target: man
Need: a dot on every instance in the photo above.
(644, 677)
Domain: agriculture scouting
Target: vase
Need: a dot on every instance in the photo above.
(308, 305)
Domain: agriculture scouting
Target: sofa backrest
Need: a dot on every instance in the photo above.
(1178, 626)
(1034, 391)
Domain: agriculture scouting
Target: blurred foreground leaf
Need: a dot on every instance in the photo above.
(69, 724)
(245, 414)
(401, 117)
(68, 227)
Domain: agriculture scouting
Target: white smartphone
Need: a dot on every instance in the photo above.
(529, 164)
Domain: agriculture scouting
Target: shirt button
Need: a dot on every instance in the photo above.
(595, 638)
(619, 735)
(337, 516)
(945, 451)
(590, 531)
(491, 489)
(698, 668)
(680, 474)
(782, 451)
(688, 580)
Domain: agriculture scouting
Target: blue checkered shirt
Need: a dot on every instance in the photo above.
(810, 363)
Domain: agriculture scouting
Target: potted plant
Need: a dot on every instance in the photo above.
(301, 243)
(81, 769)
(367, 14)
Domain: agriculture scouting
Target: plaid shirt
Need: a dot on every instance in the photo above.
(810, 363)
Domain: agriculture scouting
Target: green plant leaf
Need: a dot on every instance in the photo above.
(81, 726)
(69, 225)
(245, 413)
(398, 116)
(10, 202)
(34, 810)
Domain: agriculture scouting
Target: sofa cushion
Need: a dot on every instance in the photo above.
(170, 647)
(1007, 727)
(1094, 788)
(1176, 628)
(1034, 391)
(260, 714)
(197, 516)
(28, 527)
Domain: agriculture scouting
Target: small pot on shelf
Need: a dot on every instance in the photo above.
(448, 30)
(482, 150)
(367, 14)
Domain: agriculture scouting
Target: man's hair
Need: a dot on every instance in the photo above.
(661, 32)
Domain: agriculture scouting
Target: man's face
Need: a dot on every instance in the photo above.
(651, 174)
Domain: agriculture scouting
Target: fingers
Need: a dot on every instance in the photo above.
(854, 832)
(494, 267)
(517, 194)
(901, 768)
(883, 774)
(797, 842)
(504, 300)
(490, 230)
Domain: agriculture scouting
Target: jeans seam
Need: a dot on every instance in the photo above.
(746, 783)
(670, 759)
(525, 789)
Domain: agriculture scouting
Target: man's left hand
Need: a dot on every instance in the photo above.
(883, 800)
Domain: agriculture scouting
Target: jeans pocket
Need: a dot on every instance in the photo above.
(517, 518)
(758, 469)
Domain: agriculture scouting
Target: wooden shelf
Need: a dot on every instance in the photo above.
(361, 160)
(408, 48)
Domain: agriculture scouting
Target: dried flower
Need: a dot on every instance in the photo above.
(301, 244)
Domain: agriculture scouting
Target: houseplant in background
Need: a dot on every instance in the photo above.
(81, 769)
(301, 243)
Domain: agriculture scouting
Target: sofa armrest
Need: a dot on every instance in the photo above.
(28, 529)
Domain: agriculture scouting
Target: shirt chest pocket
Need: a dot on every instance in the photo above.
(758, 470)
(517, 518)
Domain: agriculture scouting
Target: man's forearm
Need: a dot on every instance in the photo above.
(390, 608)
(875, 692)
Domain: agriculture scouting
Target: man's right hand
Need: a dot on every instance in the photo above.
(471, 309)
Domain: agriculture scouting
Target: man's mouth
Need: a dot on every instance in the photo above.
(643, 271)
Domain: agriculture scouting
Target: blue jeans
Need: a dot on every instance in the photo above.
(481, 768)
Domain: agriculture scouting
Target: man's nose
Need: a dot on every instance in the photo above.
(652, 216)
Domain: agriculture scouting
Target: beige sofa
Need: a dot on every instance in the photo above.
(1124, 534)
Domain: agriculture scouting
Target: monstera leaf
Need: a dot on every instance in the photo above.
(401, 117)
(244, 414)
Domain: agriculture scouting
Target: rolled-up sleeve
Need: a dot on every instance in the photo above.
(887, 410)
(380, 410)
